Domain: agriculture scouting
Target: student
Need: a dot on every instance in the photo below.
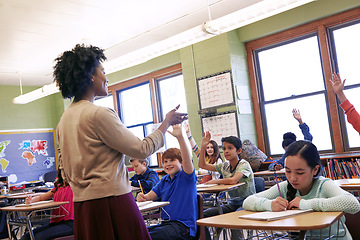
(148, 178)
(234, 170)
(290, 137)
(212, 154)
(179, 188)
(92, 141)
(59, 226)
(305, 188)
(352, 115)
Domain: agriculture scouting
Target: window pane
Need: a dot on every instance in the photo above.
(353, 136)
(105, 102)
(139, 132)
(291, 69)
(135, 105)
(172, 93)
(347, 46)
(313, 112)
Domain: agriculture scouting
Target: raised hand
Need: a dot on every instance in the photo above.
(176, 131)
(297, 115)
(206, 139)
(173, 117)
(338, 86)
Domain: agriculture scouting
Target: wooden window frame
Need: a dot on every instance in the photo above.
(320, 26)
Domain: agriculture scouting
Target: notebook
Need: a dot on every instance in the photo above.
(203, 185)
(271, 216)
(141, 204)
(32, 204)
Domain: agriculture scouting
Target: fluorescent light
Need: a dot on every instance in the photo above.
(44, 91)
(245, 16)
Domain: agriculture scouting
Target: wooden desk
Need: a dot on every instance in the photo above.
(153, 211)
(217, 189)
(152, 206)
(349, 184)
(302, 222)
(269, 173)
(13, 214)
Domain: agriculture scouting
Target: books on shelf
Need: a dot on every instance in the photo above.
(271, 216)
(342, 168)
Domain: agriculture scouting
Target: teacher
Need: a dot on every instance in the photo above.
(92, 141)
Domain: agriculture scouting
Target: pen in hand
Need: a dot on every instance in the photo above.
(142, 190)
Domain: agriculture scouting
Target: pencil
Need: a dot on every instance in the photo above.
(141, 187)
(277, 183)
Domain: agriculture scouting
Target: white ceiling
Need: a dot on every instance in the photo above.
(33, 33)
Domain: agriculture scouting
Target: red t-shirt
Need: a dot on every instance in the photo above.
(63, 194)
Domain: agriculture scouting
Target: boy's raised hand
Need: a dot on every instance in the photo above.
(206, 139)
(176, 131)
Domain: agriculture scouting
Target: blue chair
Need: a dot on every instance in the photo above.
(259, 184)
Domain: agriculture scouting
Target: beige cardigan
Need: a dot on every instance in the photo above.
(92, 141)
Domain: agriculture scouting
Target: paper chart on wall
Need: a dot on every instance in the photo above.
(221, 125)
(216, 90)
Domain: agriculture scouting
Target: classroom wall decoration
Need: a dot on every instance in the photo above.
(221, 125)
(216, 90)
(27, 154)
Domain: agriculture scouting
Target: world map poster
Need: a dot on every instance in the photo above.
(26, 155)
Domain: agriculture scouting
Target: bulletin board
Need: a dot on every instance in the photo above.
(221, 125)
(216, 90)
(25, 155)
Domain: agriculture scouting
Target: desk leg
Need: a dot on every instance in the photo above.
(218, 204)
(8, 225)
(28, 225)
(302, 234)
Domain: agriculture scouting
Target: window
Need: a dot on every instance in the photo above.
(293, 72)
(107, 101)
(144, 101)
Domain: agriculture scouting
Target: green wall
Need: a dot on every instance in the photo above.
(42, 113)
(223, 52)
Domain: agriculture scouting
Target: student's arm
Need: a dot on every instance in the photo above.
(230, 181)
(278, 164)
(268, 200)
(338, 86)
(332, 198)
(151, 180)
(304, 128)
(42, 197)
(193, 144)
(202, 163)
(150, 196)
(187, 164)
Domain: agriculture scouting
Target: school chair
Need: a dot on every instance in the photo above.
(352, 224)
(3, 226)
(200, 232)
(259, 184)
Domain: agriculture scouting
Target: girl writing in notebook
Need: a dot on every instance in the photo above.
(63, 224)
(305, 188)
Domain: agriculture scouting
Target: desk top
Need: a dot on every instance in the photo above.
(268, 172)
(153, 205)
(28, 208)
(348, 184)
(219, 188)
(20, 195)
(306, 221)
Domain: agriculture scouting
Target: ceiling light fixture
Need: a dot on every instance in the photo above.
(44, 91)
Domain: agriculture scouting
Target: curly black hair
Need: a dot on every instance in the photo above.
(73, 69)
(288, 138)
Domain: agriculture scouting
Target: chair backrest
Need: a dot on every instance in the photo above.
(352, 224)
(50, 176)
(259, 184)
(3, 226)
(200, 232)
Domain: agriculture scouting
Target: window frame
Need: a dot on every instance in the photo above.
(152, 79)
(320, 28)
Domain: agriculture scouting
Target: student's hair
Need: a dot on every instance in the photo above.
(172, 153)
(288, 138)
(213, 159)
(233, 140)
(307, 151)
(59, 181)
(73, 69)
(141, 161)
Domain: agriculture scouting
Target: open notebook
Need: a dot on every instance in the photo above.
(140, 204)
(32, 204)
(271, 216)
(203, 185)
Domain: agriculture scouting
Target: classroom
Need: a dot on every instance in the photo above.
(258, 109)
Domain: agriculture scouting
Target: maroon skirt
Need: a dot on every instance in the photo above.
(109, 218)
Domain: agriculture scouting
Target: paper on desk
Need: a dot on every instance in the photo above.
(140, 204)
(271, 216)
(32, 204)
(203, 185)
